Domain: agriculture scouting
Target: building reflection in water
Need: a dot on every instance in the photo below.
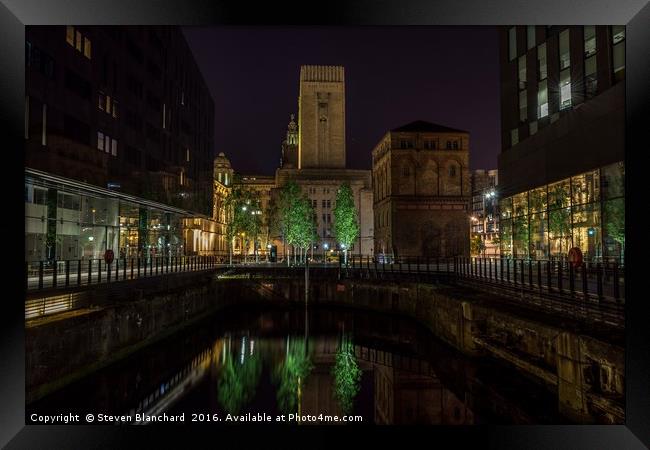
(393, 373)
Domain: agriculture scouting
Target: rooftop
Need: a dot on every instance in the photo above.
(421, 125)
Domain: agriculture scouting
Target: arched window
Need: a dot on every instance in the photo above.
(452, 170)
(448, 145)
(455, 145)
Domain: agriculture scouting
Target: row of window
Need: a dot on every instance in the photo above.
(106, 143)
(78, 41)
(406, 171)
(429, 144)
(312, 190)
(565, 85)
(107, 105)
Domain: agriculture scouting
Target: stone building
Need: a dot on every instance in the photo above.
(485, 210)
(320, 168)
(289, 158)
(261, 186)
(321, 117)
(421, 183)
(207, 236)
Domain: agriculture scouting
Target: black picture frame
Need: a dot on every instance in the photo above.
(15, 14)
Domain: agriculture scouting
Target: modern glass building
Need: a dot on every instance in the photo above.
(585, 211)
(561, 169)
(67, 219)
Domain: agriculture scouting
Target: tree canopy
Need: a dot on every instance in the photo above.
(346, 224)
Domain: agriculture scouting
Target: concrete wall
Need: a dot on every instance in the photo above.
(586, 373)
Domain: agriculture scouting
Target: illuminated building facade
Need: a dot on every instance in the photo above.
(484, 220)
(120, 107)
(561, 170)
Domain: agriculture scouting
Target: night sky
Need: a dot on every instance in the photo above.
(393, 76)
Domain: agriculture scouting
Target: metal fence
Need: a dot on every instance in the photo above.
(42, 275)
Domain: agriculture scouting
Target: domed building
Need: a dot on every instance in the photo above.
(222, 170)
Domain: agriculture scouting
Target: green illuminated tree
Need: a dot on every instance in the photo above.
(237, 382)
(297, 216)
(476, 244)
(243, 218)
(615, 222)
(290, 375)
(347, 375)
(346, 224)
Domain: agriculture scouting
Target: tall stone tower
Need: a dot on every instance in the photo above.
(321, 117)
(290, 146)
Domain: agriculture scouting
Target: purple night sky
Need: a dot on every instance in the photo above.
(393, 76)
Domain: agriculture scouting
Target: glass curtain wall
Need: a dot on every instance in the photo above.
(585, 211)
(68, 224)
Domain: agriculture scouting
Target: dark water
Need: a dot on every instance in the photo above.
(316, 366)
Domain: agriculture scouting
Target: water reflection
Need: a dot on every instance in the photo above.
(384, 369)
(291, 373)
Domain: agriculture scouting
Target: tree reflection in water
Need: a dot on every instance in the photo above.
(290, 375)
(238, 378)
(347, 375)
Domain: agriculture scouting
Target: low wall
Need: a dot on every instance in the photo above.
(586, 373)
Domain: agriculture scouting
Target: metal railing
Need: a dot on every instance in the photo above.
(41, 275)
(589, 291)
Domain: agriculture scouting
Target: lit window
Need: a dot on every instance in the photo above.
(107, 144)
(114, 108)
(114, 147)
(514, 137)
(522, 72)
(101, 100)
(590, 77)
(523, 105)
(108, 104)
(541, 61)
(565, 89)
(87, 47)
(530, 31)
(590, 40)
(512, 43)
(565, 55)
(542, 100)
(100, 140)
(187, 154)
(163, 115)
(69, 35)
(78, 40)
(44, 135)
(618, 40)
